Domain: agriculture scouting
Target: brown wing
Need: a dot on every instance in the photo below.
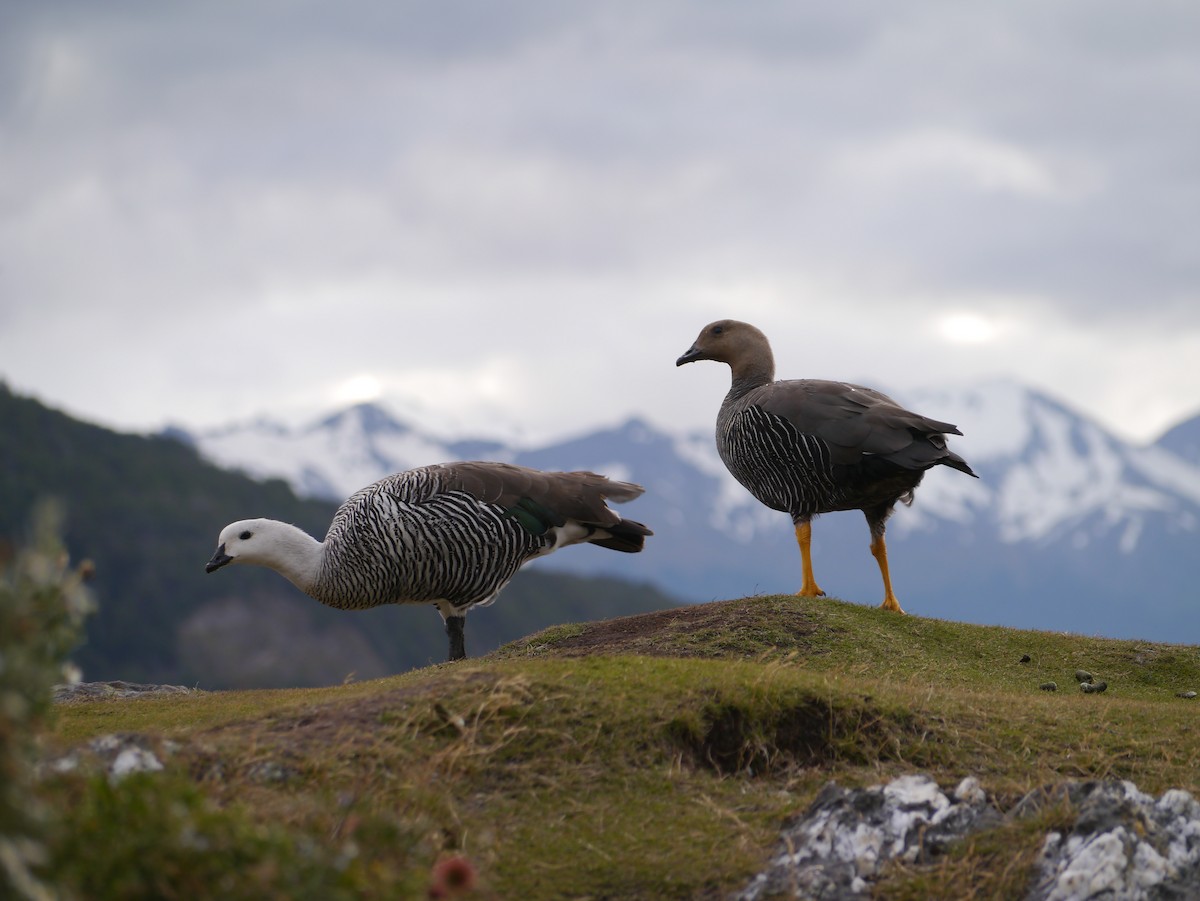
(578, 496)
(855, 421)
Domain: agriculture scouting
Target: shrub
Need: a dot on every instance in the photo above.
(42, 603)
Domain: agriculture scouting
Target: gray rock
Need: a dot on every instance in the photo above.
(1124, 845)
(117, 754)
(840, 844)
(270, 771)
(98, 691)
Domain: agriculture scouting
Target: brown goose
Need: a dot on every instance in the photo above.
(808, 446)
(451, 535)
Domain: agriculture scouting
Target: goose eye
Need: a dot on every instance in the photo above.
(245, 535)
(717, 330)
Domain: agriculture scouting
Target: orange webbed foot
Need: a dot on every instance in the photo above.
(890, 603)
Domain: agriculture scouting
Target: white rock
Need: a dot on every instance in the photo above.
(969, 791)
(1135, 794)
(914, 790)
(1149, 867)
(865, 844)
(134, 760)
(1179, 803)
(1094, 866)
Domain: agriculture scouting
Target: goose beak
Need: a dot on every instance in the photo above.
(219, 559)
(692, 355)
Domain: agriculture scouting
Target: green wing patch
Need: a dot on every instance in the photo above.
(533, 517)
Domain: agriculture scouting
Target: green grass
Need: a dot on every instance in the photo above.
(654, 757)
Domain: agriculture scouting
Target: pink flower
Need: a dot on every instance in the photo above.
(452, 876)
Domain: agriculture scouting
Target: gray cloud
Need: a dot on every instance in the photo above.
(486, 197)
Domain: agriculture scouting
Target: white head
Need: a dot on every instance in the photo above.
(245, 541)
(267, 542)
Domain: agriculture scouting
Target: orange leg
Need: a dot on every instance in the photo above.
(879, 552)
(808, 587)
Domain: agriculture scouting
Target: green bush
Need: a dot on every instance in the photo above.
(42, 604)
(158, 836)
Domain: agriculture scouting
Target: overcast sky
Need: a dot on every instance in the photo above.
(210, 211)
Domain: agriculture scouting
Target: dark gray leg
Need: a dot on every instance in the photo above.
(458, 643)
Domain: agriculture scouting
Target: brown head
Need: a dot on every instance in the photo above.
(739, 344)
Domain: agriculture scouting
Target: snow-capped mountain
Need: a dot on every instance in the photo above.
(336, 455)
(1049, 474)
(1184, 440)
(1068, 527)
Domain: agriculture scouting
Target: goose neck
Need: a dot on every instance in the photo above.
(299, 558)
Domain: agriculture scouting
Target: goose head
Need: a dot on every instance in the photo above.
(739, 344)
(245, 541)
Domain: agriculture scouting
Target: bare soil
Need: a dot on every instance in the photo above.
(663, 633)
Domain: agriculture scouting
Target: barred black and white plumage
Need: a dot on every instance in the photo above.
(782, 467)
(809, 446)
(451, 535)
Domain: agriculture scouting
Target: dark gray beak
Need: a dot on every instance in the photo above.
(691, 356)
(219, 559)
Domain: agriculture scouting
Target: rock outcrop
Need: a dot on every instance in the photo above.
(1123, 844)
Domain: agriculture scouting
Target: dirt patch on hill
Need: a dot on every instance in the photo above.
(738, 628)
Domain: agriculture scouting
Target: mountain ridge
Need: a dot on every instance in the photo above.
(1062, 505)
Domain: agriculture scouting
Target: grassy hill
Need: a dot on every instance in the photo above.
(652, 756)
